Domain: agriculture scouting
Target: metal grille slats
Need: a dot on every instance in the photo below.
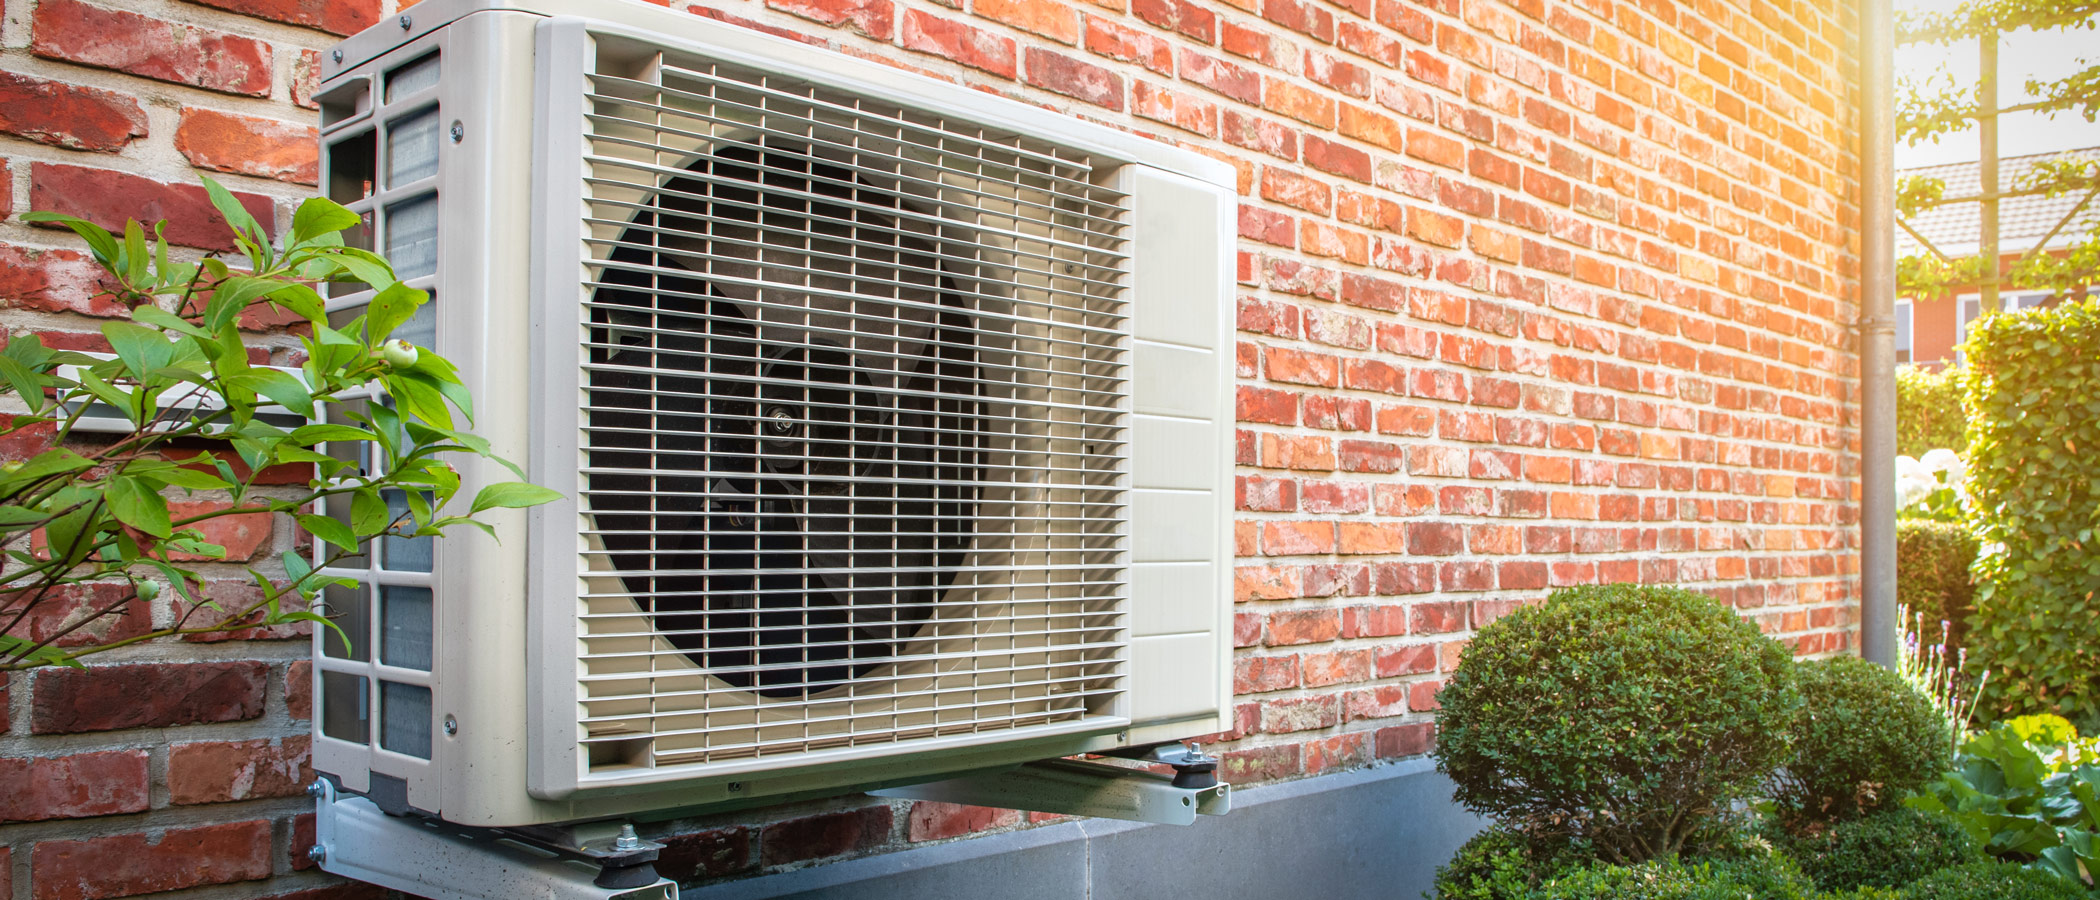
(854, 396)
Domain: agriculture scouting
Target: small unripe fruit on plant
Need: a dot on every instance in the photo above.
(147, 590)
(398, 353)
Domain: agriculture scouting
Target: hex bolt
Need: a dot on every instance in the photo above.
(782, 421)
(451, 726)
(459, 132)
(337, 55)
(627, 840)
(404, 22)
(317, 789)
(317, 853)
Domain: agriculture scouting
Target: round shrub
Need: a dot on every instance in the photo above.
(1626, 716)
(1865, 738)
(1766, 878)
(1890, 848)
(1500, 864)
(1992, 881)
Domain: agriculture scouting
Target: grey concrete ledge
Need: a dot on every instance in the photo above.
(1377, 833)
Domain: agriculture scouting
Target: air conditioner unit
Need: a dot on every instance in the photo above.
(893, 420)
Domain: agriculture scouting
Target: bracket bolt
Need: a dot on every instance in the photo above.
(459, 132)
(627, 840)
(317, 853)
(404, 22)
(336, 55)
(451, 724)
(317, 789)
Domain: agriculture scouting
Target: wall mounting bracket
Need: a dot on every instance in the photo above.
(442, 861)
(1082, 788)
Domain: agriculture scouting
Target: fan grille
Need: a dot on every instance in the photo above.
(854, 387)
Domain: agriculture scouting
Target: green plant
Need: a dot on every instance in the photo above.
(1888, 848)
(2026, 790)
(1769, 877)
(1928, 410)
(1932, 574)
(89, 513)
(1991, 881)
(1865, 738)
(1934, 669)
(1627, 716)
(2034, 396)
(1500, 864)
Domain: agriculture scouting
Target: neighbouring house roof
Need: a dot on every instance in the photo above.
(1956, 229)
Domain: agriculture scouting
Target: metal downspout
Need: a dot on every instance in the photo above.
(1877, 332)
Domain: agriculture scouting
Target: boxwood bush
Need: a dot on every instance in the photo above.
(1630, 717)
(1932, 575)
(1889, 848)
(2033, 395)
(1864, 739)
(1928, 410)
(1992, 881)
(1501, 864)
(1769, 877)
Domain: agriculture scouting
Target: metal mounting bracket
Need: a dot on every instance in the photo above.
(443, 861)
(1081, 788)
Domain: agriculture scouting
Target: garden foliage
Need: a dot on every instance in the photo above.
(2027, 789)
(1932, 574)
(1501, 864)
(1888, 848)
(1928, 410)
(1991, 881)
(1768, 877)
(190, 416)
(1630, 717)
(1864, 740)
(2033, 390)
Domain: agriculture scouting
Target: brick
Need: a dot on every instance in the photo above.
(225, 771)
(1262, 674)
(1342, 751)
(947, 38)
(825, 835)
(1405, 740)
(1304, 626)
(1106, 38)
(1234, 81)
(713, 853)
(151, 48)
(306, 79)
(931, 820)
(333, 16)
(1257, 764)
(1074, 78)
(79, 786)
(873, 18)
(1182, 16)
(55, 281)
(109, 198)
(1049, 18)
(126, 865)
(66, 115)
(243, 534)
(149, 695)
(298, 690)
(75, 615)
(245, 145)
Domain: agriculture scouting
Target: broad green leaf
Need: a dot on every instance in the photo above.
(160, 318)
(389, 308)
(101, 244)
(368, 513)
(329, 530)
(513, 495)
(235, 214)
(318, 216)
(137, 504)
(288, 391)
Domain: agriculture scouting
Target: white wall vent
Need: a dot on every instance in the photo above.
(893, 418)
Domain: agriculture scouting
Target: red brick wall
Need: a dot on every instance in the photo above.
(1533, 293)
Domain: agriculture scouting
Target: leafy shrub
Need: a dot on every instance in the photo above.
(1932, 573)
(1769, 877)
(1889, 848)
(1992, 881)
(1865, 738)
(1500, 864)
(1626, 716)
(2033, 392)
(1928, 410)
(2027, 789)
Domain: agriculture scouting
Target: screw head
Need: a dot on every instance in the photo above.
(317, 853)
(337, 55)
(405, 22)
(451, 726)
(780, 421)
(317, 789)
(459, 132)
(736, 787)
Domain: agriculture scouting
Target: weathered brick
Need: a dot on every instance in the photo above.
(73, 787)
(128, 864)
(245, 145)
(825, 835)
(953, 40)
(1049, 18)
(1074, 78)
(225, 771)
(141, 45)
(874, 18)
(68, 115)
(109, 198)
(705, 854)
(932, 820)
(333, 16)
(148, 695)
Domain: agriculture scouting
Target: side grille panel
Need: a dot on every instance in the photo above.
(853, 391)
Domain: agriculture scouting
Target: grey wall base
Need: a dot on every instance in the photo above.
(1373, 833)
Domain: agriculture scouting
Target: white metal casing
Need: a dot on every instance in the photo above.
(503, 667)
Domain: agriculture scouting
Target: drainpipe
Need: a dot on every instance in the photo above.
(1877, 332)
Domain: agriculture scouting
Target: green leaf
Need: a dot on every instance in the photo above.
(309, 435)
(160, 318)
(142, 349)
(318, 216)
(236, 215)
(513, 495)
(101, 243)
(17, 516)
(232, 296)
(389, 308)
(137, 504)
(368, 513)
(329, 530)
(278, 385)
(25, 384)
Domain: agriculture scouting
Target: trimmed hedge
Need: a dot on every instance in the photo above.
(1928, 411)
(1864, 740)
(1627, 716)
(1768, 877)
(1500, 864)
(1890, 848)
(2033, 394)
(1992, 881)
(1932, 575)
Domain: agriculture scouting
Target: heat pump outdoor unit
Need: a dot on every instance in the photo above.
(893, 420)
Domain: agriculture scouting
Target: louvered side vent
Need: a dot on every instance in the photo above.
(855, 390)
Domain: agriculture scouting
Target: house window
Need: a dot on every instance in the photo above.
(1972, 309)
(1903, 332)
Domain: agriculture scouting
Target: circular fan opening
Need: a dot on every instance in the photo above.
(785, 429)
